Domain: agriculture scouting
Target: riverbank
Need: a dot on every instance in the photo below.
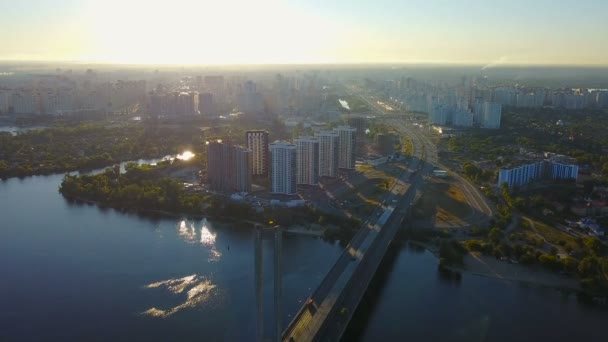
(487, 266)
(294, 229)
(490, 267)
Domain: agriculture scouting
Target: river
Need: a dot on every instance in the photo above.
(76, 272)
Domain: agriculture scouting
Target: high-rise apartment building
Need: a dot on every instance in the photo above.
(329, 153)
(241, 172)
(491, 115)
(206, 106)
(249, 100)
(283, 170)
(4, 101)
(348, 145)
(228, 167)
(360, 124)
(218, 165)
(307, 161)
(257, 142)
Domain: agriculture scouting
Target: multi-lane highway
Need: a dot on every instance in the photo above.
(326, 314)
(480, 205)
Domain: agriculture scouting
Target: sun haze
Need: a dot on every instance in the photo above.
(315, 31)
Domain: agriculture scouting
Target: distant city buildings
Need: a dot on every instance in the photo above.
(329, 153)
(347, 136)
(174, 104)
(307, 161)
(206, 105)
(249, 100)
(4, 101)
(491, 114)
(471, 102)
(257, 142)
(485, 114)
(462, 118)
(283, 168)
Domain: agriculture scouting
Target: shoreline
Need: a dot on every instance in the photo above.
(490, 267)
(298, 230)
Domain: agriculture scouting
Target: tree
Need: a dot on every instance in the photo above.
(569, 264)
(494, 235)
(594, 246)
(474, 245)
(588, 267)
(519, 203)
(506, 194)
(471, 171)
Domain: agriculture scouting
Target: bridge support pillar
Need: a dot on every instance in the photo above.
(278, 277)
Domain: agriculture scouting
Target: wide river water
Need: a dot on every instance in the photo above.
(79, 273)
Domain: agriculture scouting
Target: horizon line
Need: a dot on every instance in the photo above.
(487, 65)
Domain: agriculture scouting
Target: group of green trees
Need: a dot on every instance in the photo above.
(90, 146)
(139, 188)
(476, 174)
(451, 252)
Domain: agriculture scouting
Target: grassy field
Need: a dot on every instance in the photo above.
(552, 235)
(407, 146)
(446, 202)
(363, 192)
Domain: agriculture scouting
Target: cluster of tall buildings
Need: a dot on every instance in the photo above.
(230, 167)
(472, 102)
(554, 167)
(483, 114)
(165, 94)
(181, 104)
(560, 98)
(308, 158)
(174, 104)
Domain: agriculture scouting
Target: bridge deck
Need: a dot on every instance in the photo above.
(326, 314)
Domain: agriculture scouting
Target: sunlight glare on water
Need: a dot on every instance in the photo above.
(189, 233)
(200, 290)
(186, 155)
(208, 239)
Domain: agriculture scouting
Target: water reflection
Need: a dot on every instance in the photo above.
(204, 236)
(186, 155)
(187, 232)
(199, 291)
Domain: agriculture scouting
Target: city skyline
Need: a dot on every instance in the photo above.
(242, 32)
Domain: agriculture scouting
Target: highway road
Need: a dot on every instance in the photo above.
(326, 314)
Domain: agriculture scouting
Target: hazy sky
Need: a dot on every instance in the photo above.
(306, 31)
